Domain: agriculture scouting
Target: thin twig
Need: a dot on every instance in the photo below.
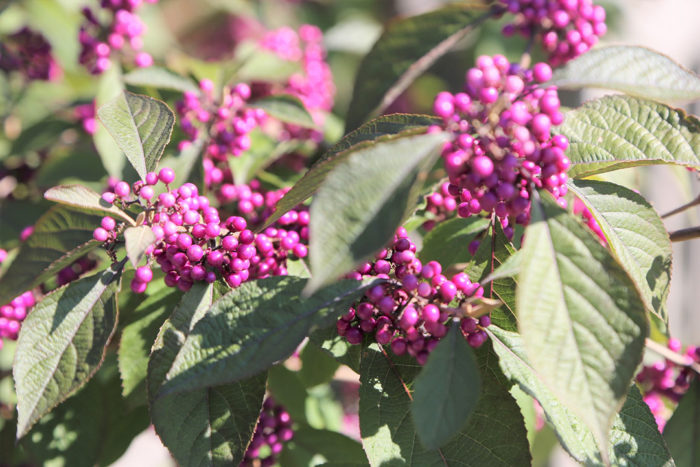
(672, 356)
(682, 208)
(682, 235)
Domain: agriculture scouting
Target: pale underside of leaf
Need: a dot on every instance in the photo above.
(83, 197)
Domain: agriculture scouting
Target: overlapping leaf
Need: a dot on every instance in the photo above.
(630, 69)
(448, 242)
(84, 198)
(616, 132)
(137, 240)
(582, 320)
(682, 432)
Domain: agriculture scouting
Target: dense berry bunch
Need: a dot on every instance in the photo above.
(13, 313)
(666, 380)
(28, 53)
(440, 204)
(566, 28)
(99, 40)
(411, 311)
(581, 210)
(502, 146)
(193, 243)
(75, 270)
(273, 430)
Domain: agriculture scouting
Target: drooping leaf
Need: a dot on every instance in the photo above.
(113, 160)
(211, 425)
(446, 390)
(84, 198)
(494, 435)
(285, 108)
(62, 343)
(60, 236)
(141, 126)
(634, 438)
(403, 52)
(160, 78)
(317, 367)
(137, 339)
(630, 69)
(636, 236)
(682, 431)
(448, 242)
(137, 240)
(582, 320)
(379, 129)
(252, 327)
(615, 132)
(363, 200)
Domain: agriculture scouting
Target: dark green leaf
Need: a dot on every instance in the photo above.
(634, 438)
(494, 435)
(160, 78)
(630, 69)
(207, 426)
(616, 132)
(62, 344)
(288, 390)
(446, 390)
(363, 200)
(404, 51)
(581, 317)
(338, 347)
(60, 236)
(333, 446)
(682, 432)
(84, 198)
(448, 242)
(137, 240)
(141, 126)
(252, 327)
(509, 268)
(317, 367)
(386, 127)
(636, 236)
(285, 108)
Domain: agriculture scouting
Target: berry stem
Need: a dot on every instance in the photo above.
(672, 356)
(682, 208)
(682, 235)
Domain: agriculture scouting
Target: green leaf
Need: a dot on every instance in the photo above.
(581, 317)
(337, 347)
(616, 132)
(285, 108)
(207, 426)
(138, 337)
(41, 135)
(363, 200)
(630, 69)
(288, 390)
(264, 150)
(509, 268)
(404, 51)
(137, 240)
(333, 446)
(141, 126)
(252, 327)
(636, 236)
(94, 427)
(317, 367)
(682, 432)
(84, 198)
(109, 86)
(382, 128)
(446, 390)
(634, 438)
(160, 78)
(60, 236)
(448, 242)
(62, 344)
(494, 435)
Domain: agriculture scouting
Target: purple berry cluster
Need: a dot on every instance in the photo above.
(29, 53)
(273, 430)
(441, 205)
(98, 41)
(566, 28)
(411, 311)
(666, 380)
(502, 146)
(194, 244)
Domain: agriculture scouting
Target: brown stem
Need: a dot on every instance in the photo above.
(682, 208)
(672, 356)
(682, 235)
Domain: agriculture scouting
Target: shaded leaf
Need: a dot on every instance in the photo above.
(616, 132)
(333, 446)
(317, 367)
(160, 78)
(285, 108)
(141, 126)
(60, 236)
(62, 344)
(636, 236)
(403, 52)
(338, 347)
(386, 127)
(446, 390)
(509, 268)
(581, 318)
(682, 432)
(84, 198)
(288, 390)
(630, 69)
(137, 240)
(250, 328)
(363, 200)
(448, 242)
